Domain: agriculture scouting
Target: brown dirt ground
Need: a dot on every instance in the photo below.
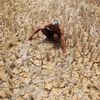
(35, 70)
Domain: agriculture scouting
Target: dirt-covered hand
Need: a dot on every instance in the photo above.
(30, 38)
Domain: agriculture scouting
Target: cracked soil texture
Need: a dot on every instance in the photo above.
(36, 70)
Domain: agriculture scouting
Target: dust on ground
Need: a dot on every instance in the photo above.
(35, 70)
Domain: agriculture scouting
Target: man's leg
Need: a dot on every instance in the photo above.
(56, 38)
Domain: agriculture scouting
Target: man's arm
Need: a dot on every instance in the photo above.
(37, 30)
(63, 40)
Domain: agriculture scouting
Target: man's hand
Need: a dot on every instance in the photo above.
(37, 30)
(30, 38)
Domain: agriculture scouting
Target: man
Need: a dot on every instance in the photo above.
(53, 30)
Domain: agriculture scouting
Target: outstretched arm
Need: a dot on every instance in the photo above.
(63, 44)
(37, 30)
(63, 40)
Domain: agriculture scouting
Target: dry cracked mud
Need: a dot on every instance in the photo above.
(36, 70)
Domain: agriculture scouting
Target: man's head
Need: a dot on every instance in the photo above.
(56, 22)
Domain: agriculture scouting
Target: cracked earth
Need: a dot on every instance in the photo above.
(36, 70)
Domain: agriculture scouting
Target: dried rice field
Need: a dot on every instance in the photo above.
(36, 70)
